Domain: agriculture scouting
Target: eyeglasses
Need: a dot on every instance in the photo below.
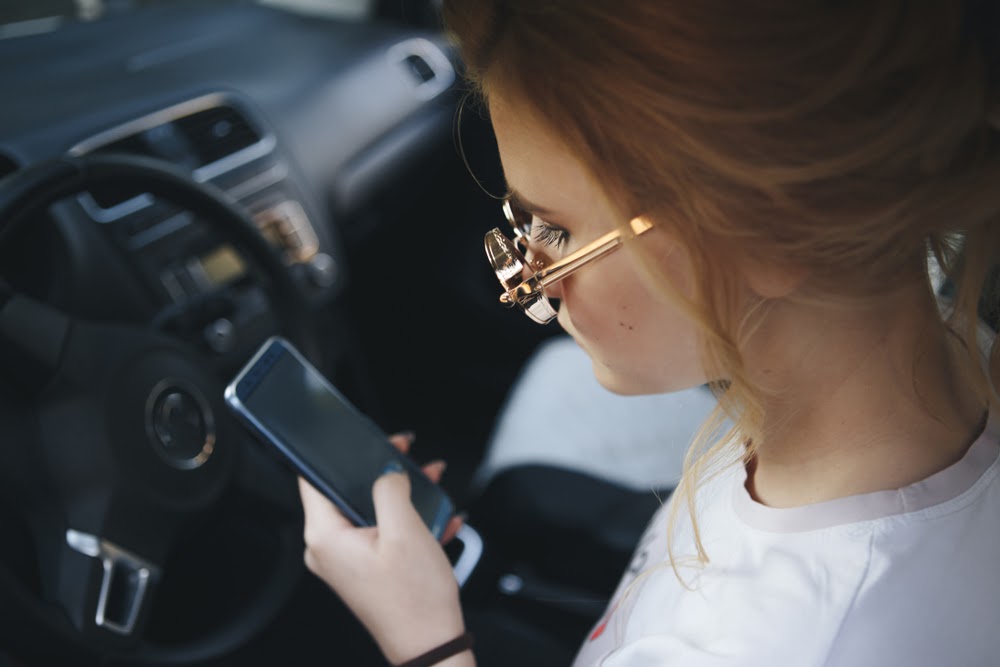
(510, 265)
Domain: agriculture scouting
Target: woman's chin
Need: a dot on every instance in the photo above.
(620, 383)
(635, 384)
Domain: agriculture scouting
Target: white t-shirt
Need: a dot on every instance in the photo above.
(904, 578)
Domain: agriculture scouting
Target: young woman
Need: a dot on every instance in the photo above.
(747, 194)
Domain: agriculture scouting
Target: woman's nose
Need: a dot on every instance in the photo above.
(554, 292)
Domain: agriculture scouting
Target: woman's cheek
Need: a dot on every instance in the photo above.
(585, 315)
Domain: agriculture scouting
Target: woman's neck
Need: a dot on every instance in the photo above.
(863, 400)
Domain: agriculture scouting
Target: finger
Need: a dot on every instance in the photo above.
(394, 511)
(318, 509)
(434, 470)
(403, 440)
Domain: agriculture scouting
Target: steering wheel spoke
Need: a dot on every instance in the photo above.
(115, 589)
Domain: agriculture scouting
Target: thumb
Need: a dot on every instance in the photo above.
(394, 511)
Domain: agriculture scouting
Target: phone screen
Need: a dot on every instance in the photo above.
(340, 450)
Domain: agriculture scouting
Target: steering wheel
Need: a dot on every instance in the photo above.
(118, 446)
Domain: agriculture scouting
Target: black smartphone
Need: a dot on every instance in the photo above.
(292, 407)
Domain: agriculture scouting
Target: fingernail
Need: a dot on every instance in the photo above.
(391, 467)
(409, 435)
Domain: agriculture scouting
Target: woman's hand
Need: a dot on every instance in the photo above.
(394, 576)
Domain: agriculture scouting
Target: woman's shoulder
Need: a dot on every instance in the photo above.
(869, 582)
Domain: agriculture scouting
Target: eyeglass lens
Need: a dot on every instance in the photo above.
(518, 218)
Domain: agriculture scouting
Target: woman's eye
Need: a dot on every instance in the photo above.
(549, 235)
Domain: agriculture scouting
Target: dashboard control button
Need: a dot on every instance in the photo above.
(220, 335)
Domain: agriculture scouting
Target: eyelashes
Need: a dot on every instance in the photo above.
(549, 235)
(533, 227)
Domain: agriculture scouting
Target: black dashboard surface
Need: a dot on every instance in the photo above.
(329, 88)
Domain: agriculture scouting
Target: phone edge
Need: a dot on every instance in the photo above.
(232, 400)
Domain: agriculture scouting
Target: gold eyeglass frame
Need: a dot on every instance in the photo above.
(510, 265)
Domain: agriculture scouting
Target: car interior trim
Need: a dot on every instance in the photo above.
(201, 174)
(433, 81)
(139, 573)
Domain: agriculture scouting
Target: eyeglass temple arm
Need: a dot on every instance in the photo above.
(556, 272)
(600, 247)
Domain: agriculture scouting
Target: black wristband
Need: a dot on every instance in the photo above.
(461, 643)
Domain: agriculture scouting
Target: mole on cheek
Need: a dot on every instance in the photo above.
(622, 323)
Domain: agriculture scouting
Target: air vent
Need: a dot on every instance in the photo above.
(217, 132)
(193, 140)
(425, 63)
(421, 70)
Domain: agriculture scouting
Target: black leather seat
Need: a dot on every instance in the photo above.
(556, 543)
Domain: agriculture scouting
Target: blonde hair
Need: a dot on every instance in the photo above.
(851, 138)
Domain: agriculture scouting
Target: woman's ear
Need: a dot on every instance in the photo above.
(771, 281)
